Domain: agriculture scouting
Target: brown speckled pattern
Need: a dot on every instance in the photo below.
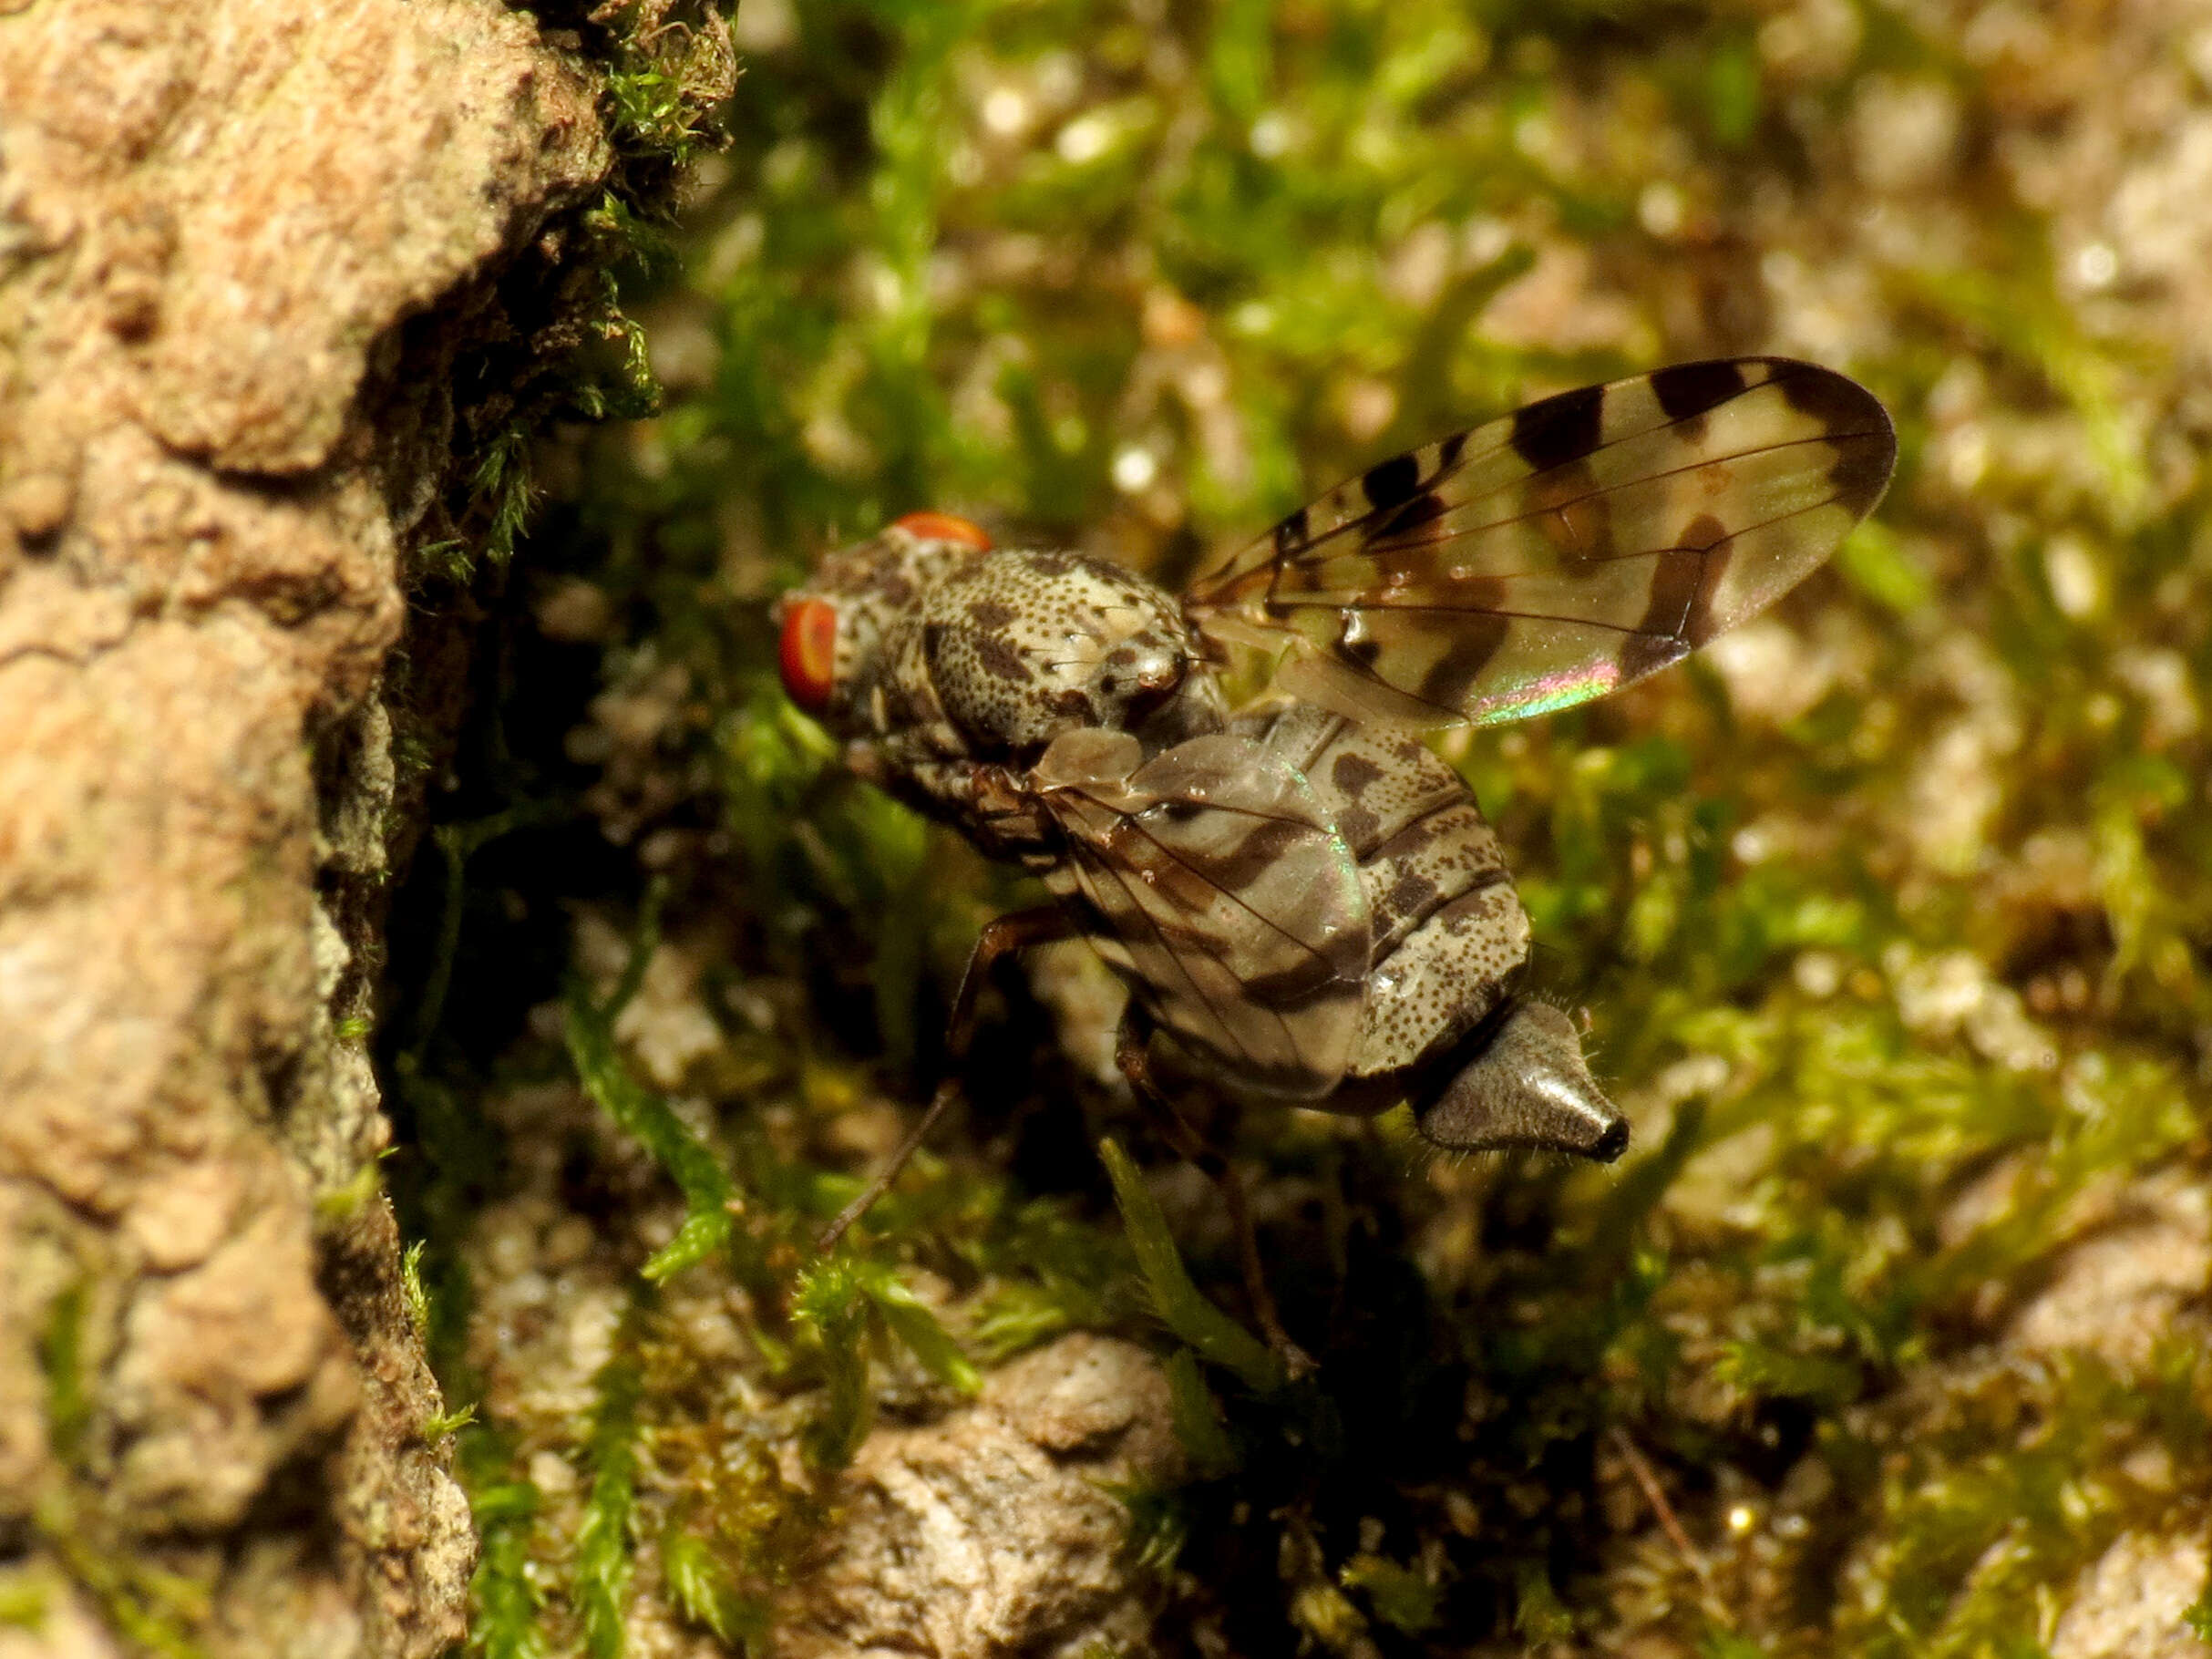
(1022, 646)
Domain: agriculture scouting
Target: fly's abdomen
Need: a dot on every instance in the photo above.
(1448, 928)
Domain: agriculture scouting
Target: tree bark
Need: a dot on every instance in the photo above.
(214, 446)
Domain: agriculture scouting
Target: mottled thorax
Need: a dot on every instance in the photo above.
(1022, 646)
(924, 643)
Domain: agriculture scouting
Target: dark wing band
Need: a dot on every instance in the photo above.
(1559, 553)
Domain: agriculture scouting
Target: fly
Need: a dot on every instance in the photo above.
(1300, 893)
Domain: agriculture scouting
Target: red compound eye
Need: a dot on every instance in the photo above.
(809, 653)
(944, 527)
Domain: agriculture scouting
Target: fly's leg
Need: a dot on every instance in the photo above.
(1017, 931)
(1132, 1056)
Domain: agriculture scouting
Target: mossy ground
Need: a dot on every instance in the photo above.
(1893, 913)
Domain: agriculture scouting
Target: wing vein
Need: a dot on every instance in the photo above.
(1177, 859)
(1159, 934)
(1305, 554)
(1318, 600)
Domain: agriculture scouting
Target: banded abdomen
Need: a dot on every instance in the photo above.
(1442, 1030)
(1448, 928)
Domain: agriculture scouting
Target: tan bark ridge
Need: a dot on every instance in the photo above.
(214, 444)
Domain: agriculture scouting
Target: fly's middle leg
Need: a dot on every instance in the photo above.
(1001, 937)
(1132, 1054)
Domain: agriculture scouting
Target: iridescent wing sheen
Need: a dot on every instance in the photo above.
(1223, 895)
(1563, 552)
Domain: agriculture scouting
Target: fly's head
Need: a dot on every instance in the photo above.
(843, 629)
(1022, 646)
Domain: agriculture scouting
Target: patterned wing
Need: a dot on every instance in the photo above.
(1224, 896)
(1559, 553)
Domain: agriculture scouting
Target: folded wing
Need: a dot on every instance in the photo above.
(1225, 897)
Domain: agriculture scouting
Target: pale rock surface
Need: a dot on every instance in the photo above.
(991, 1530)
(214, 220)
(2130, 1603)
(2143, 1276)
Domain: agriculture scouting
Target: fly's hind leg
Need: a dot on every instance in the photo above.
(1132, 1055)
(1017, 931)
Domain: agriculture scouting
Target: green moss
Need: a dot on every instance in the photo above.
(1983, 1521)
(1400, 1597)
(142, 1598)
(666, 81)
(447, 1424)
(843, 1302)
(1894, 951)
(411, 1286)
(603, 1539)
(340, 1205)
(1198, 1418)
(26, 1595)
(701, 1587)
(2199, 1617)
(155, 1608)
(61, 1357)
(1210, 1333)
(706, 1186)
(508, 1604)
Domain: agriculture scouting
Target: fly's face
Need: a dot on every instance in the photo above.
(1022, 646)
(842, 630)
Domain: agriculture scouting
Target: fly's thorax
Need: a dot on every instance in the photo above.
(842, 628)
(1021, 646)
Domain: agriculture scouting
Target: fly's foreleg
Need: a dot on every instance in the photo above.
(1132, 1055)
(1017, 931)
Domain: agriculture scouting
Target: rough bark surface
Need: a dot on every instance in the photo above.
(213, 219)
